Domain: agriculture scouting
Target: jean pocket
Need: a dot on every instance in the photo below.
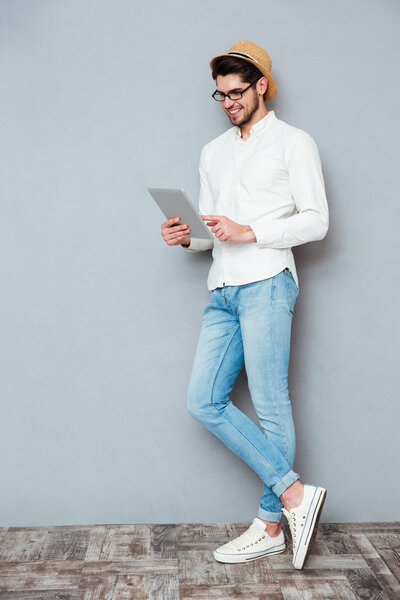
(289, 272)
(292, 290)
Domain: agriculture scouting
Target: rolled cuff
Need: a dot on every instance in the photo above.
(199, 244)
(285, 482)
(269, 516)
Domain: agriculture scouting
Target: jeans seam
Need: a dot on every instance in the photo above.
(266, 462)
(274, 385)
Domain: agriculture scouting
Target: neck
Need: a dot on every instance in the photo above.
(260, 113)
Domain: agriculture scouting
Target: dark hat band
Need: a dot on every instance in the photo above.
(242, 54)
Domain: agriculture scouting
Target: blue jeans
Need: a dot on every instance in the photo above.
(250, 324)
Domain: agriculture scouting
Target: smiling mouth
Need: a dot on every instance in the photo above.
(234, 111)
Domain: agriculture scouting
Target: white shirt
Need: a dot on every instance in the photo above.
(273, 182)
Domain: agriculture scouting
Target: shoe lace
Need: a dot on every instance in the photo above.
(294, 529)
(247, 539)
(291, 517)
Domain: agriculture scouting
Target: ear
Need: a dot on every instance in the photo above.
(263, 83)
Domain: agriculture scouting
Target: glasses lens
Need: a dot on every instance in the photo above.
(221, 97)
(218, 96)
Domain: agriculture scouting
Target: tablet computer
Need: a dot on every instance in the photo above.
(176, 203)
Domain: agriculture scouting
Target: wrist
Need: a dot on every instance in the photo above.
(249, 234)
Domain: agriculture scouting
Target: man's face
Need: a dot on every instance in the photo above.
(239, 111)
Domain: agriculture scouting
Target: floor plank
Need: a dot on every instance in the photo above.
(348, 561)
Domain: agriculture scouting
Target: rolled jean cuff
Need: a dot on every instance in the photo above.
(269, 516)
(285, 482)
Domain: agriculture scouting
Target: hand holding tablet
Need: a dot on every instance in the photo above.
(174, 202)
(175, 233)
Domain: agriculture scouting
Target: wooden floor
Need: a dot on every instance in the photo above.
(170, 562)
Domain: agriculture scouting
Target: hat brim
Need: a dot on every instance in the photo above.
(271, 89)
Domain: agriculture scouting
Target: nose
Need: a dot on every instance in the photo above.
(227, 102)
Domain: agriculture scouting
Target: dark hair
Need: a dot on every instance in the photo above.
(225, 65)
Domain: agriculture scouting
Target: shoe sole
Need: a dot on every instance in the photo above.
(310, 528)
(229, 558)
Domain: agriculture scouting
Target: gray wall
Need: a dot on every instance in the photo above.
(100, 319)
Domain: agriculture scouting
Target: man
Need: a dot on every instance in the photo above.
(262, 192)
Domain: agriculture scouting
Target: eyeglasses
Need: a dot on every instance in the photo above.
(220, 96)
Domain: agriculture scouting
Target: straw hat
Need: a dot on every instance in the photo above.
(258, 57)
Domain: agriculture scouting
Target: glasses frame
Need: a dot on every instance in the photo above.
(228, 95)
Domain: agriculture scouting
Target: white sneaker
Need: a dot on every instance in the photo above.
(254, 543)
(303, 522)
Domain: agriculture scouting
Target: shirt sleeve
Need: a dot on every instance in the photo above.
(307, 187)
(205, 208)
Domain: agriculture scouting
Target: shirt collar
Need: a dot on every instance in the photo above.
(261, 125)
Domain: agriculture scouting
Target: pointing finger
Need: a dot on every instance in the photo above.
(210, 217)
